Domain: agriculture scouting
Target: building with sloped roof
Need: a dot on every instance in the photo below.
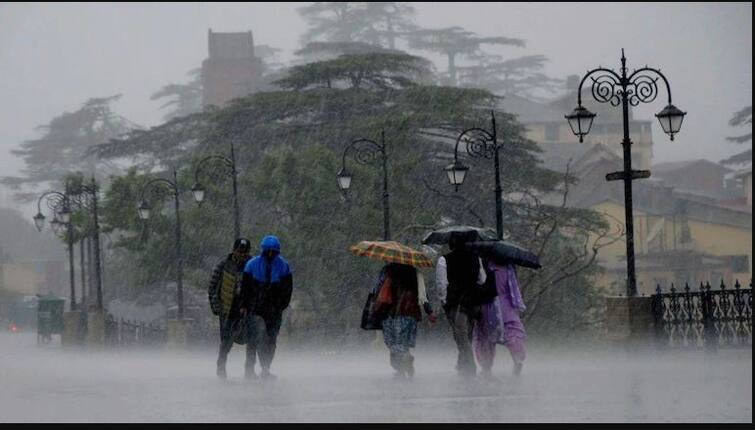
(546, 124)
(681, 235)
(700, 176)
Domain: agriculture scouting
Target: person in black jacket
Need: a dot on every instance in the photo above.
(224, 296)
(267, 285)
(458, 275)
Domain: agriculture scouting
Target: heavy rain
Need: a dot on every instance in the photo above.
(375, 212)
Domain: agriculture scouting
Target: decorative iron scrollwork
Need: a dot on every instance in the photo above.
(479, 143)
(55, 202)
(366, 151)
(704, 318)
(606, 88)
(644, 89)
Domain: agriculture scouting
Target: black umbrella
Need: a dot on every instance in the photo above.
(470, 234)
(504, 253)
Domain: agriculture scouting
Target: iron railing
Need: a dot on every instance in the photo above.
(709, 318)
(133, 333)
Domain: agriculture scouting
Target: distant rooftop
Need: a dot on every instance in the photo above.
(529, 111)
(556, 156)
(229, 46)
(678, 165)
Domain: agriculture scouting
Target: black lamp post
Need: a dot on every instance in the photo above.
(145, 210)
(479, 143)
(199, 191)
(639, 87)
(88, 201)
(366, 153)
(60, 204)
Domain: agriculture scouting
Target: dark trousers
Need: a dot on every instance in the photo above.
(227, 335)
(262, 338)
(461, 326)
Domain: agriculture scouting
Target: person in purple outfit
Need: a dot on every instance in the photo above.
(499, 321)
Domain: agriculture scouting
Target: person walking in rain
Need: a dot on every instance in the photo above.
(224, 293)
(457, 273)
(499, 321)
(401, 295)
(266, 292)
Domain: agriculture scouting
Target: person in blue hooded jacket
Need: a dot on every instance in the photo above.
(266, 289)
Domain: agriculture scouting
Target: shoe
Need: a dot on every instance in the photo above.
(395, 362)
(518, 368)
(466, 372)
(265, 374)
(409, 366)
(221, 372)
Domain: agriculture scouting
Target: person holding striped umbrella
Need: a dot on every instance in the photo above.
(400, 293)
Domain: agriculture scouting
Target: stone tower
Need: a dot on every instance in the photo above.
(231, 69)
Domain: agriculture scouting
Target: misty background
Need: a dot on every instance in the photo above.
(55, 56)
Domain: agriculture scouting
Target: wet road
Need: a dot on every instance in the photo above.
(49, 384)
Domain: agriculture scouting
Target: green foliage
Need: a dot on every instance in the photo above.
(66, 142)
(183, 99)
(377, 23)
(516, 76)
(454, 42)
(166, 143)
(290, 145)
(377, 70)
(741, 118)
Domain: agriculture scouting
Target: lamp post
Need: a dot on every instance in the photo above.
(480, 143)
(60, 204)
(89, 202)
(619, 89)
(199, 191)
(366, 153)
(145, 209)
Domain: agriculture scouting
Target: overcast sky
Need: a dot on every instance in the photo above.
(55, 56)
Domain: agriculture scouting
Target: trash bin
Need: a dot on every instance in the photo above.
(49, 317)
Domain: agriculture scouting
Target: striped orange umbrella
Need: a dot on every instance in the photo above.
(392, 252)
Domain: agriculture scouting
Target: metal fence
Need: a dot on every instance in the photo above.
(708, 317)
(133, 333)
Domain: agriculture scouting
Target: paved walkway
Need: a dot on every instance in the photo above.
(48, 384)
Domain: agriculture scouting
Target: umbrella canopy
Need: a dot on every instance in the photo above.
(503, 252)
(471, 234)
(392, 252)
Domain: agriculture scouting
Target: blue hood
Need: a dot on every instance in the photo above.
(258, 266)
(270, 242)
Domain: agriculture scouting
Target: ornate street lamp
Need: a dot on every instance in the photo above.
(57, 202)
(456, 172)
(86, 196)
(39, 221)
(479, 143)
(671, 119)
(580, 121)
(344, 179)
(198, 191)
(619, 89)
(56, 225)
(64, 215)
(145, 209)
(366, 152)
